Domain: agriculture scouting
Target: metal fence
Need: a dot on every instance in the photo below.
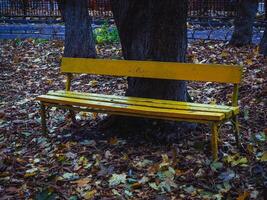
(48, 8)
(25, 8)
(212, 8)
(102, 8)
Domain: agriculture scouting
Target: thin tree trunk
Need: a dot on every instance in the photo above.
(79, 41)
(263, 44)
(243, 24)
(153, 30)
(60, 4)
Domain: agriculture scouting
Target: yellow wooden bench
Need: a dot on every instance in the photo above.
(145, 107)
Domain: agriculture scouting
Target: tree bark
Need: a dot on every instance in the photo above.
(153, 30)
(79, 41)
(263, 44)
(243, 24)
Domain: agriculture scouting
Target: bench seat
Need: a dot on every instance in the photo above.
(146, 107)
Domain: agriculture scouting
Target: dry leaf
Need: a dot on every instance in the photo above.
(113, 141)
(89, 194)
(136, 185)
(243, 196)
(82, 182)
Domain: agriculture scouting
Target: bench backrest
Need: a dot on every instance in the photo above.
(154, 69)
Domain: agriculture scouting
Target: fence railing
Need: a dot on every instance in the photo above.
(102, 8)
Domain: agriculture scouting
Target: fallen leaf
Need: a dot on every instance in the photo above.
(12, 190)
(137, 185)
(31, 172)
(93, 83)
(70, 176)
(191, 189)
(82, 182)
(227, 176)
(117, 179)
(153, 185)
(243, 196)
(113, 141)
(89, 194)
(264, 157)
(216, 165)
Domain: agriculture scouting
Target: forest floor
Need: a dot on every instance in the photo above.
(83, 162)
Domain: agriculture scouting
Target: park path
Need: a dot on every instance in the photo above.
(56, 31)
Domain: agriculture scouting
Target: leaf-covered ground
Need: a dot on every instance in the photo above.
(76, 162)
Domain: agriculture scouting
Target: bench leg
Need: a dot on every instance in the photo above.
(43, 119)
(214, 140)
(72, 116)
(236, 131)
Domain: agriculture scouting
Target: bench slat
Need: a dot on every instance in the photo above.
(185, 114)
(228, 111)
(152, 69)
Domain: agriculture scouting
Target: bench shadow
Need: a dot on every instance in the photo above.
(133, 130)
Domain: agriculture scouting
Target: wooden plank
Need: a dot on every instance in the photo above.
(147, 101)
(122, 100)
(133, 109)
(79, 109)
(152, 69)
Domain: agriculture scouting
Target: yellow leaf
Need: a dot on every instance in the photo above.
(83, 161)
(21, 161)
(243, 196)
(61, 157)
(165, 158)
(230, 159)
(249, 61)
(179, 172)
(4, 174)
(125, 157)
(240, 161)
(84, 114)
(236, 160)
(113, 141)
(89, 194)
(93, 83)
(31, 172)
(213, 102)
(95, 115)
(264, 157)
(49, 81)
(250, 148)
(165, 162)
(29, 175)
(224, 54)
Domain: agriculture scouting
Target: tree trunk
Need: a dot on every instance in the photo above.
(153, 30)
(263, 44)
(60, 4)
(79, 41)
(243, 24)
